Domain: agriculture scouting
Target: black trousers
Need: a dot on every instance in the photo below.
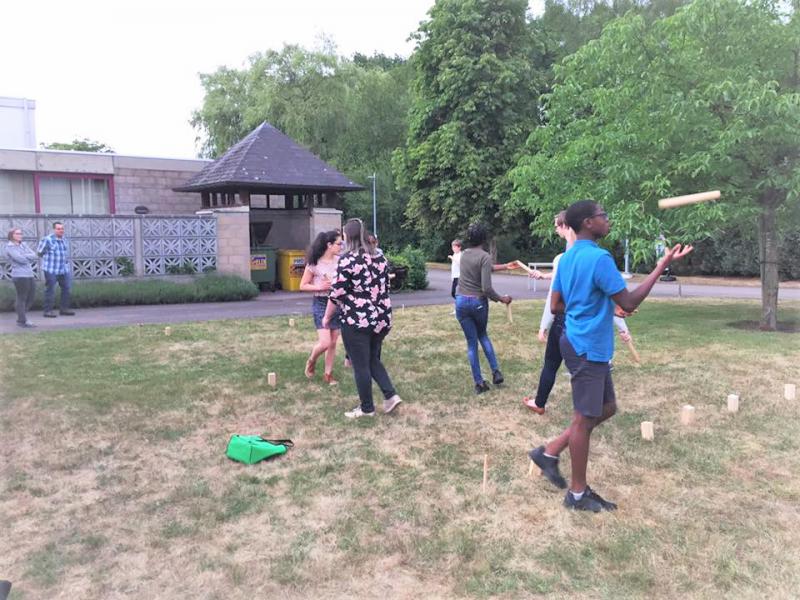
(364, 349)
(26, 289)
(552, 361)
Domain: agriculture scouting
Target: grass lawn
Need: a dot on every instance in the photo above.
(114, 481)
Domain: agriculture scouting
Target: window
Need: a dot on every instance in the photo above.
(74, 195)
(16, 193)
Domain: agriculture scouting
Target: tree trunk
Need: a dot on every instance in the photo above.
(768, 259)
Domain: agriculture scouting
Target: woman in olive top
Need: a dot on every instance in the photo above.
(472, 303)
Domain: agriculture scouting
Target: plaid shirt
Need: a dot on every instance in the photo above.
(55, 254)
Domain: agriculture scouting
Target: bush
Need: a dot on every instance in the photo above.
(203, 288)
(413, 260)
(417, 271)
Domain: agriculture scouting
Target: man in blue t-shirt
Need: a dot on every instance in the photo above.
(587, 287)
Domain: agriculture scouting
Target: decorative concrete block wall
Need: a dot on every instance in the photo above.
(109, 246)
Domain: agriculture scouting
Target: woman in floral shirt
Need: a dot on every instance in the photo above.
(361, 292)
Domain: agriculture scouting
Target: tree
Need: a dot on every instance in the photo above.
(79, 145)
(475, 98)
(705, 99)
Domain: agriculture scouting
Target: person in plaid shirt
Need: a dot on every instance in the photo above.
(54, 250)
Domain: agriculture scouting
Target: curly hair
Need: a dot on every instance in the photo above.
(320, 245)
(477, 233)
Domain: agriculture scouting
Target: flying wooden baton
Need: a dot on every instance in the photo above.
(676, 201)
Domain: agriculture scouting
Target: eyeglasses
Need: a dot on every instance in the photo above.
(602, 215)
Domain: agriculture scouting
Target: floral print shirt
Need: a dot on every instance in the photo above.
(361, 291)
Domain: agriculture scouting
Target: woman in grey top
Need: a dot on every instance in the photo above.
(22, 259)
(472, 303)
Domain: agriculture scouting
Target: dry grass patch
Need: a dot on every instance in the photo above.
(115, 482)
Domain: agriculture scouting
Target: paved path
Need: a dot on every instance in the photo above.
(297, 303)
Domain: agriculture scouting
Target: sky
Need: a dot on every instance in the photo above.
(126, 73)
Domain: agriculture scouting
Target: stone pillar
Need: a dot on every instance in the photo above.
(233, 240)
(138, 247)
(324, 219)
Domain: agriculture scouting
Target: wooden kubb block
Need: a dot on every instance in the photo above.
(687, 414)
(647, 430)
(733, 403)
(790, 391)
(272, 379)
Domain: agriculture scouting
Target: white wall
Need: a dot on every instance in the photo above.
(17, 123)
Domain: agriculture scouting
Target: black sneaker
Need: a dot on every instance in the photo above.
(50, 314)
(67, 313)
(549, 467)
(587, 502)
(481, 387)
(497, 377)
(604, 503)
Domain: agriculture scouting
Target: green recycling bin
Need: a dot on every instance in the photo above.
(263, 267)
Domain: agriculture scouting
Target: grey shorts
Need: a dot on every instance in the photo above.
(591, 381)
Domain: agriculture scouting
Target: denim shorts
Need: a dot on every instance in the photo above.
(591, 382)
(318, 306)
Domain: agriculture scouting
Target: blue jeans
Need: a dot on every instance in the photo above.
(64, 281)
(473, 315)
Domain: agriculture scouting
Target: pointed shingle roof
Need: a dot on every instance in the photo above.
(268, 160)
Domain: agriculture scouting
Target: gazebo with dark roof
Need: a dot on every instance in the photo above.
(291, 194)
(270, 163)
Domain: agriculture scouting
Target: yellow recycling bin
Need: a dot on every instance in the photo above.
(291, 264)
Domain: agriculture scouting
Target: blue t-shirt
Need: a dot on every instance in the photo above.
(587, 278)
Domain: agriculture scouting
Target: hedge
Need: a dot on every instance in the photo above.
(412, 259)
(203, 288)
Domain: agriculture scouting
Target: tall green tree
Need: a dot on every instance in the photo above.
(475, 98)
(705, 99)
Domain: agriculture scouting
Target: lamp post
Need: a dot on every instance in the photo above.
(661, 249)
(374, 178)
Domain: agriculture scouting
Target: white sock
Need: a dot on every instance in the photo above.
(577, 495)
(548, 456)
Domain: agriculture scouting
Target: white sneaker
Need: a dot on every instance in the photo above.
(357, 413)
(391, 403)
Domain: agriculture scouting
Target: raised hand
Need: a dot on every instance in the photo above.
(677, 252)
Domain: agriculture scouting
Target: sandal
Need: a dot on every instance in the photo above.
(310, 369)
(328, 377)
(529, 402)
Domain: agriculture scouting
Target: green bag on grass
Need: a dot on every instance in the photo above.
(250, 449)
